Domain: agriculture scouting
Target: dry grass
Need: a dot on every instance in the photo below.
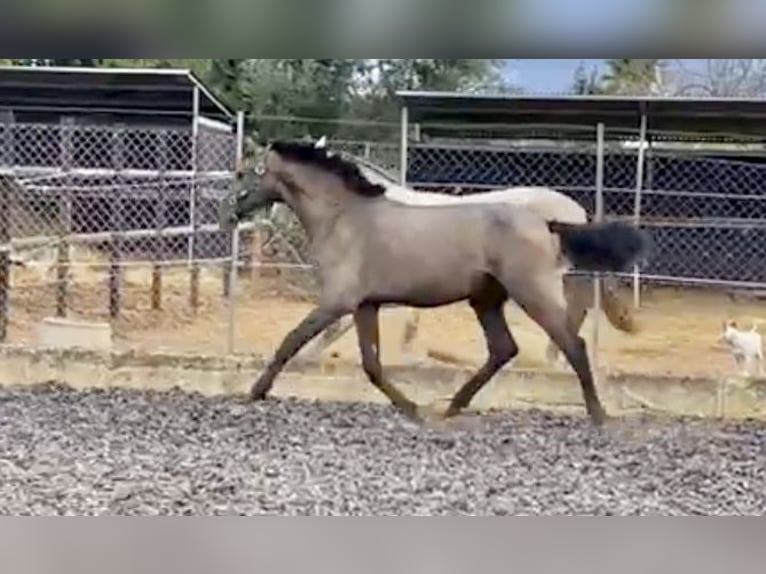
(679, 327)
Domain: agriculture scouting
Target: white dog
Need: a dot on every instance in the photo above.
(746, 346)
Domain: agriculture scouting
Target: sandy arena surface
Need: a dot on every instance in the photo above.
(138, 453)
(680, 328)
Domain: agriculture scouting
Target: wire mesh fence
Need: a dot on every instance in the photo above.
(701, 200)
(119, 224)
(111, 222)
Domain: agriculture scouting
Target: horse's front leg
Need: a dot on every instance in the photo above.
(316, 322)
(368, 333)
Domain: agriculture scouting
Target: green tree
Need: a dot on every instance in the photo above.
(630, 76)
(224, 75)
(200, 67)
(379, 80)
(316, 89)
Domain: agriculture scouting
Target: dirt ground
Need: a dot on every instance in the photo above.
(679, 335)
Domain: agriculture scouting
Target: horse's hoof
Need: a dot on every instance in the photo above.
(599, 418)
(431, 413)
(256, 395)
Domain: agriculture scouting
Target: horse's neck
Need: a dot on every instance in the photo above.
(318, 200)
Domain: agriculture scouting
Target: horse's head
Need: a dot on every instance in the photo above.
(249, 192)
(299, 174)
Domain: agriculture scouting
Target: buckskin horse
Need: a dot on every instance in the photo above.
(371, 251)
(549, 203)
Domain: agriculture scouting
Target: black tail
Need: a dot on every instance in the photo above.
(612, 246)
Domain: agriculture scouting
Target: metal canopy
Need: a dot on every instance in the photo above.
(744, 116)
(114, 91)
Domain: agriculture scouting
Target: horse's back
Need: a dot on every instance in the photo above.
(471, 232)
(547, 202)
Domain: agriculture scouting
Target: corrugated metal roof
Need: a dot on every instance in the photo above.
(667, 114)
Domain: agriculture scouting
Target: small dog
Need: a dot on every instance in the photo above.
(746, 346)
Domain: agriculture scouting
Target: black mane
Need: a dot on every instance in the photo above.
(346, 170)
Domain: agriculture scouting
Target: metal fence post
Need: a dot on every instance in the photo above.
(642, 143)
(160, 221)
(66, 160)
(403, 147)
(598, 217)
(234, 268)
(194, 207)
(6, 159)
(116, 223)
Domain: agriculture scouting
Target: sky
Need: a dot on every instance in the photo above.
(609, 22)
(542, 76)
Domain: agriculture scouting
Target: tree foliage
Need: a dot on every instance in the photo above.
(633, 77)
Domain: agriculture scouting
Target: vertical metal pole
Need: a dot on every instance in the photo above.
(160, 222)
(192, 244)
(6, 185)
(66, 159)
(235, 246)
(404, 147)
(598, 217)
(116, 223)
(637, 208)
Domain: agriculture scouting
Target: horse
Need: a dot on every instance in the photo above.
(370, 252)
(549, 203)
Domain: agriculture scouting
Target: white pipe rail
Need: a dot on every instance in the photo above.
(98, 237)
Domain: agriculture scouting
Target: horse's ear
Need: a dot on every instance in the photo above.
(249, 146)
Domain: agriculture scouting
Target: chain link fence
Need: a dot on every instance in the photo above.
(112, 223)
(119, 224)
(703, 203)
(701, 200)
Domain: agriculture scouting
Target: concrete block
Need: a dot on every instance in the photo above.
(58, 333)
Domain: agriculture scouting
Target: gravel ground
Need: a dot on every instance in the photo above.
(122, 452)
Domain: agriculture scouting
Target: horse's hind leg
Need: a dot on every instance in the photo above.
(542, 301)
(410, 331)
(576, 316)
(577, 303)
(316, 322)
(500, 344)
(368, 332)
